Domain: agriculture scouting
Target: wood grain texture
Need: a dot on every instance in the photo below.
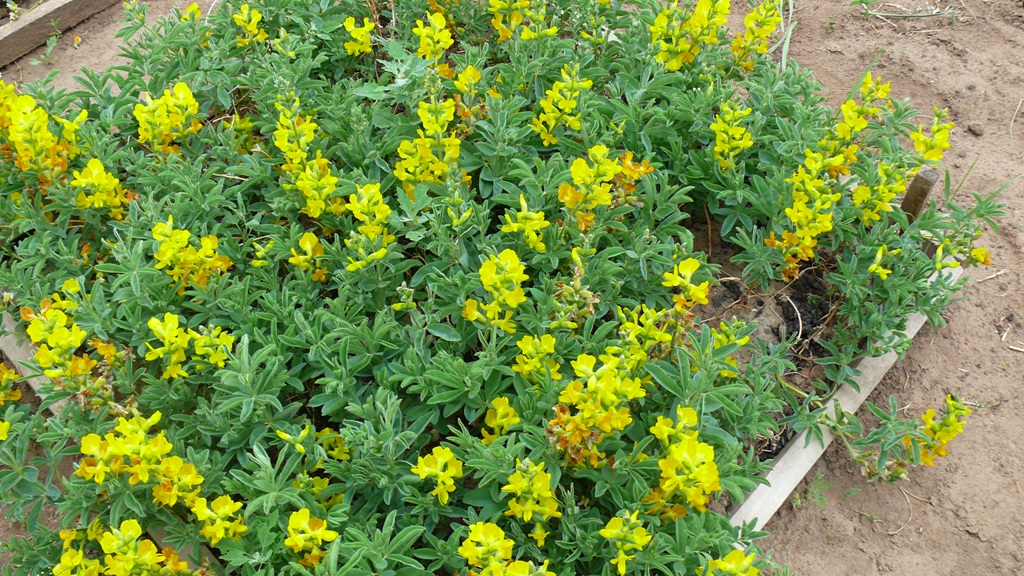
(30, 31)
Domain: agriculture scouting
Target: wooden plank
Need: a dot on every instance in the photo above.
(797, 459)
(19, 352)
(30, 31)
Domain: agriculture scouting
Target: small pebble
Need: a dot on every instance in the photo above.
(976, 129)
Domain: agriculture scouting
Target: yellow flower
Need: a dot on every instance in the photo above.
(308, 533)
(192, 13)
(942, 432)
(681, 277)
(219, 520)
(979, 256)
(730, 136)
(8, 393)
(5, 427)
(502, 277)
(508, 16)
(759, 25)
(669, 432)
(628, 534)
(876, 267)
(467, 80)
(500, 416)
(168, 118)
(486, 547)
(442, 465)
(536, 360)
(735, 563)
(558, 108)
(309, 259)
(435, 116)
(529, 223)
(100, 189)
(182, 261)
(679, 38)
(249, 21)
(932, 148)
(175, 342)
(689, 471)
(434, 37)
(530, 487)
(360, 43)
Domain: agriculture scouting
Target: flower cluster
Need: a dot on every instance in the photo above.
(219, 518)
(759, 25)
(876, 198)
(442, 465)
(486, 547)
(529, 223)
(169, 118)
(532, 497)
(876, 266)
(248, 19)
(508, 16)
(360, 42)
(57, 335)
(500, 416)
(932, 148)
(26, 138)
(431, 156)
(308, 534)
(628, 535)
(735, 563)
(131, 449)
(690, 293)
(592, 185)
(368, 207)
(559, 104)
(211, 345)
(688, 471)
(593, 407)
(309, 259)
(731, 137)
(182, 261)
(8, 377)
(502, 277)
(313, 178)
(124, 550)
(100, 189)
(679, 38)
(810, 214)
(434, 37)
(942, 432)
(537, 362)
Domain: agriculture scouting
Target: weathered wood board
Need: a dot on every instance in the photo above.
(30, 31)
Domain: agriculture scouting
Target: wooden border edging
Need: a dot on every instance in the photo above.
(20, 354)
(799, 456)
(31, 30)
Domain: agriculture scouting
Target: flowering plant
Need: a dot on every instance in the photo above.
(414, 288)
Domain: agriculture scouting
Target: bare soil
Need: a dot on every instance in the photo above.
(964, 515)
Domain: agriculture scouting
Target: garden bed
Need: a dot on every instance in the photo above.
(328, 300)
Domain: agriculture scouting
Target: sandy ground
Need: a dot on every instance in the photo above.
(964, 516)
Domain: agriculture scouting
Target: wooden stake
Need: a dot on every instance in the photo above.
(918, 191)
